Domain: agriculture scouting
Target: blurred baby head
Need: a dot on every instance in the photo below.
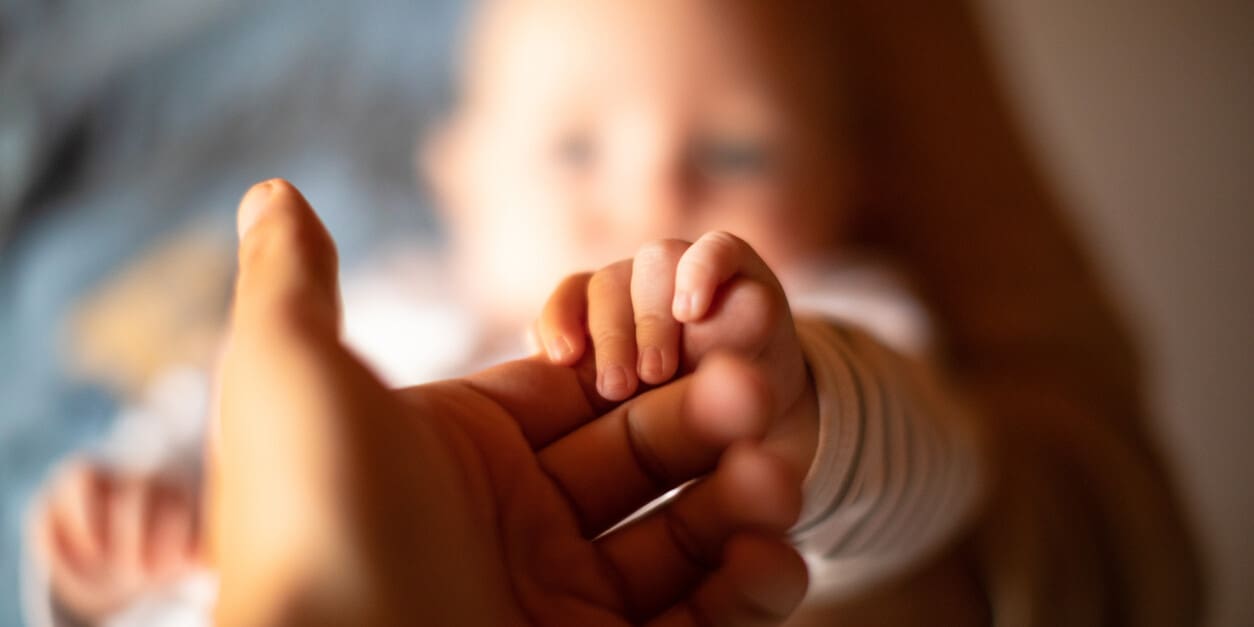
(585, 128)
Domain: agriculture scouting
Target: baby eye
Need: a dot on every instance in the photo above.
(731, 157)
(576, 151)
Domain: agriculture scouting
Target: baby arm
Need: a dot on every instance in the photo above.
(891, 465)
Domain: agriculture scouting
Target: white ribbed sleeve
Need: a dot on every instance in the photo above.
(897, 472)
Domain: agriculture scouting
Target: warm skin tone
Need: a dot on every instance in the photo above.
(541, 179)
(599, 130)
(480, 500)
(586, 129)
(108, 537)
(673, 304)
(948, 167)
(508, 453)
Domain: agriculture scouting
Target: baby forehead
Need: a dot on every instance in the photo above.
(620, 33)
(546, 51)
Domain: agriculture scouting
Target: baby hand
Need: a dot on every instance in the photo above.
(107, 539)
(672, 305)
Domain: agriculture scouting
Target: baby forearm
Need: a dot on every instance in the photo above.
(1079, 525)
(898, 471)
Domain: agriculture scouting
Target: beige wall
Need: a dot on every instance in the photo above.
(1144, 113)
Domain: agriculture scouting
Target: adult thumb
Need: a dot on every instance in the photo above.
(287, 266)
(281, 361)
(284, 333)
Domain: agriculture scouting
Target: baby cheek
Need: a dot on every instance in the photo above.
(526, 253)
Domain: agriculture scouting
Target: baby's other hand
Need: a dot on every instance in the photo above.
(663, 311)
(108, 538)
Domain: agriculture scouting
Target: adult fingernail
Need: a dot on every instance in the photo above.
(252, 206)
(651, 364)
(614, 383)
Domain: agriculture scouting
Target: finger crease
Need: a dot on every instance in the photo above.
(648, 462)
(616, 575)
(757, 611)
(585, 526)
(684, 539)
(700, 618)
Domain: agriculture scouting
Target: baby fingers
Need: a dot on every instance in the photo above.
(560, 330)
(652, 290)
(633, 310)
(711, 261)
(611, 324)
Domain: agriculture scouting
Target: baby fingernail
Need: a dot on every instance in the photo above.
(651, 364)
(559, 348)
(684, 305)
(614, 383)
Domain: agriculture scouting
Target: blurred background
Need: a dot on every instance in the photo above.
(128, 125)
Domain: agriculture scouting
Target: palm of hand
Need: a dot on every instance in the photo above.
(520, 524)
(518, 487)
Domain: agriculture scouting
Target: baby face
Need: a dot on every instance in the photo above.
(588, 127)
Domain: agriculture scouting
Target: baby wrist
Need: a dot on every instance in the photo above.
(838, 418)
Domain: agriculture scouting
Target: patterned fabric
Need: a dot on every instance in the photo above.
(123, 121)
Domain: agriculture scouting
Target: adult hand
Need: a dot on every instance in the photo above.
(490, 500)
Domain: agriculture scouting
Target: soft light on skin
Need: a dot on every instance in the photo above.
(588, 127)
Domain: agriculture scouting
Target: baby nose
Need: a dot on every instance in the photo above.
(653, 190)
